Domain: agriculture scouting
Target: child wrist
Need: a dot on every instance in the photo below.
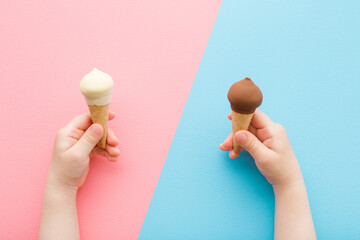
(55, 185)
(296, 183)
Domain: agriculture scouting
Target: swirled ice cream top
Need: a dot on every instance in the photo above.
(96, 86)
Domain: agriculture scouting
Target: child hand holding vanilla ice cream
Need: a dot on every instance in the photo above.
(86, 135)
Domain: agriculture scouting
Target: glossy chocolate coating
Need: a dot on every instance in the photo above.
(245, 96)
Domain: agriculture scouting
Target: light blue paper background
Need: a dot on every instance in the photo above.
(305, 56)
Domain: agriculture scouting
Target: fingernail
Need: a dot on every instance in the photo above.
(240, 138)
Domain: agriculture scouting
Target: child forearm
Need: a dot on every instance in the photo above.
(59, 215)
(292, 213)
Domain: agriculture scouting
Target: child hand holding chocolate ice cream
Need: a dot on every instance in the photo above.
(268, 144)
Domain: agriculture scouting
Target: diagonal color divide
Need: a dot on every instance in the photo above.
(152, 49)
(305, 57)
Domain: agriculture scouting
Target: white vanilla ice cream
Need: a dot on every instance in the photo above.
(96, 86)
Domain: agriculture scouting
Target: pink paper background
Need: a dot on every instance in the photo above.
(152, 49)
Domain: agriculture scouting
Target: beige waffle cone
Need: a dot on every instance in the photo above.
(240, 121)
(100, 114)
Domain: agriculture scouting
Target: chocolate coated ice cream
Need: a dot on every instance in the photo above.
(245, 96)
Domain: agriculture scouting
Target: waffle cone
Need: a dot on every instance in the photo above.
(240, 121)
(100, 115)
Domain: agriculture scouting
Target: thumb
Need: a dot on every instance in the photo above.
(249, 142)
(89, 139)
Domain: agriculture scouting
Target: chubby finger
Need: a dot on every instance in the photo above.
(260, 120)
(252, 144)
(229, 116)
(89, 139)
(102, 152)
(112, 151)
(252, 129)
(111, 139)
(82, 121)
(227, 144)
(232, 155)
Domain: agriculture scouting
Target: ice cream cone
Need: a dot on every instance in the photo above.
(240, 121)
(244, 97)
(100, 115)
(96, 86)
